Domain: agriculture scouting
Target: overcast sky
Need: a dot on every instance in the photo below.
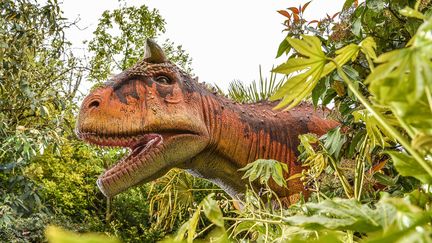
(227, 39)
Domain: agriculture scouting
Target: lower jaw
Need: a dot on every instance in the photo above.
(142, 167)
(111, 188)
(113, 185)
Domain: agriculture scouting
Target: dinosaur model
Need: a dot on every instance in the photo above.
(169, 120)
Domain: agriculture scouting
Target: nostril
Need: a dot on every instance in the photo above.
(94, 104)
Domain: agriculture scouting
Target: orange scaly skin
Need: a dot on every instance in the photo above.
(169, 120)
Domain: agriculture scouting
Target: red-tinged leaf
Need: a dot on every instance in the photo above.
(379, 166)
(356, 3)
(336, 14)
(294, 10)
(305, 6)
(296, 18)
(328, 16)
(313, 21)
(284, 13)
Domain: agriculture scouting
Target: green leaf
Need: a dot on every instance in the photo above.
(409, 12)
(265, 169)
(422, 141)
(357, 27)
(212, 210)
(376, 135)
(419, 198)
(284, 47)
(410, 70)
(244, 226)
(318, 91)
(311, 69)
(408, 166)
(44, 111)
(57, 235)
(384, 179)
(348, 4)
(368, 47)
(297, 88)
(344, 55)
(335, 140)
(309, 46)
(193, 223)
(415, 226)
(375, 5)
(343, 214)
(295, 64)
(356, 142)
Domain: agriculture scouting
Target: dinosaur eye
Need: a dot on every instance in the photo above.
(163, 80)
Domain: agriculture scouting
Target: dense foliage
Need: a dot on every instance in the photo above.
(370, 177)
(47, 175)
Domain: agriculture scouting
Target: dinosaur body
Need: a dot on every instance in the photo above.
(169, 120)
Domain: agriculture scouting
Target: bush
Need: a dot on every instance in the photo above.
(68, 179)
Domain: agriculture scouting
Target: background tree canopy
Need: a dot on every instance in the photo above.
(370, 177)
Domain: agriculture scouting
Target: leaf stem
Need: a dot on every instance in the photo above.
(254, 220)
(345, 184)
(381, 120)
(359, 170)
(429, 96)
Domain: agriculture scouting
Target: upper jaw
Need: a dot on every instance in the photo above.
(129, 141)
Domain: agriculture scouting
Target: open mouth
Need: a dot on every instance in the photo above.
(143, 150)
(138, 144)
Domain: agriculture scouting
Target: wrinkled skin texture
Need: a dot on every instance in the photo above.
(169, 120)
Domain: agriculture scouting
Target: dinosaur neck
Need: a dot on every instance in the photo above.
(246, 132)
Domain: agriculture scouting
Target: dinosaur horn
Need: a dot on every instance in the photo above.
(154, 53)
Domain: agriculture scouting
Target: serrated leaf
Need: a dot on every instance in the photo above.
(295, 64)
(297, 88)
(311, 69)
(344, 55)
(309, 46)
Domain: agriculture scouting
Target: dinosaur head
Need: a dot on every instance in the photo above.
(152, 108)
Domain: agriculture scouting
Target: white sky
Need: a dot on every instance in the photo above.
(227, 39)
